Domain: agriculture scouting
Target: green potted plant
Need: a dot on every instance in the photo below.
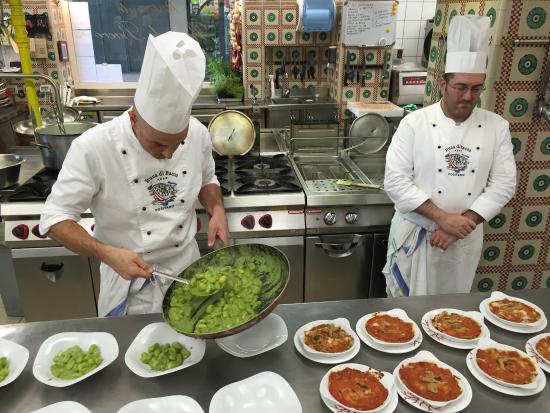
(226, 83)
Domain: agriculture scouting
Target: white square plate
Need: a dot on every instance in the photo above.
(168, 404)
(63, 407)
(269, 333)
(58, 343)
(265, 392)
(164, 334)
(17, 356)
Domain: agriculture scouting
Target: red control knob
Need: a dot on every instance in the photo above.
(199, 224)
(21, 231)
(248, 222)
(36, 232)
(266, 221)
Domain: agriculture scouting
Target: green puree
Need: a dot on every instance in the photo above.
(75, 362)
(162, 357)
(246, 283)
(4, 368)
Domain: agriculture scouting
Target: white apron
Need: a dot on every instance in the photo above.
(457, 167)
(139, 203)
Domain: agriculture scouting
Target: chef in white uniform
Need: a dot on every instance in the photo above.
(450, 167)
(140, 175)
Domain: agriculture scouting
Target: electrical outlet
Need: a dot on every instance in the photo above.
(41, 51)
(45, 88)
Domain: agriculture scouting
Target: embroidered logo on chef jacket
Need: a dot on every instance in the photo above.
(162, 189)
(457, 158)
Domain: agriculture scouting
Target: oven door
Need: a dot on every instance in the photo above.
(337, 267)
(54, 284)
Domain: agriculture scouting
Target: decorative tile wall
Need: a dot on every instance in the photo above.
(270, 37)
(516, 251)
(412, 16)
(50, 66)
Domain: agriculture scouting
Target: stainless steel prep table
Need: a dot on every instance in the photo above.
(116, 385)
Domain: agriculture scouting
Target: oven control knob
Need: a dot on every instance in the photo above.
(21, 231)
(36, 232)
(248, 222)
(330, 218)
(351, 217)
(266, 221)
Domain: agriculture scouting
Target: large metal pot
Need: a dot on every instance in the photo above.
(272, 289)
(10, 166)
(232, 133)
(54, 143)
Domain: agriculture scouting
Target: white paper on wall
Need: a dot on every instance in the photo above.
(80, 15)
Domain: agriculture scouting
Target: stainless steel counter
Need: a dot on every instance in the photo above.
(116, 385)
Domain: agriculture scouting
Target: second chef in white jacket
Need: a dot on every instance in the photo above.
(140, 175)
(450, 167)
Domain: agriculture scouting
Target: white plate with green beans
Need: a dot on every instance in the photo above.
(159, 350)
(13, 359)
(67, 358)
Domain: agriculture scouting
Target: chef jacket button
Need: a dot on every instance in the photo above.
(433, 124)
(181, 226)
(469, 194)
(143, 208)
(438, 192)
(135, 181)
(438, 146)
(177, 245)
(184, 172)
(182, 200)
(124, 151)
(473, 171)
(439, 170)
(477, 148)
(479, 126)
(148, 232)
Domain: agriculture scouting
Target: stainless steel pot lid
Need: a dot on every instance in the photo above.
(8, 159)
(232, 133)
(372, 132)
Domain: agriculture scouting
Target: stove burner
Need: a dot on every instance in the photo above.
(261, 166)
(265, 183)
(37, 188)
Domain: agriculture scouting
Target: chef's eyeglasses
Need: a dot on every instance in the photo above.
(462, 89)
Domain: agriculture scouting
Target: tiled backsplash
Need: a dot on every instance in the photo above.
(411, 23)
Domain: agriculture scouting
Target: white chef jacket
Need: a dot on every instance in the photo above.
(139, 203)
(458, 167)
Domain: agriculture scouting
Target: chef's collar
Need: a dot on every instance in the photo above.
(444, 120)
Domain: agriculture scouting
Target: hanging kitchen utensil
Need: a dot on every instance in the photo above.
(273, 280)
(232, 133)
(371, 131)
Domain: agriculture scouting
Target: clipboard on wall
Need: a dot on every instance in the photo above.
(369, 23)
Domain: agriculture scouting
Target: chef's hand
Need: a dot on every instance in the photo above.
(457, 225)
(126, 263)
(441, 239)
(217, 227)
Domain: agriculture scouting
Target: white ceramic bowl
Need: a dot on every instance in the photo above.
(398, 313)
(63, 407)
(475, 315)
(164, 334)
(538, 338)
(430, 358)
(340, 322)
(265, 392)
(497, 295)
(386, 381)
(486, 343)
(168, 404)
(17, 357)
(58, 343)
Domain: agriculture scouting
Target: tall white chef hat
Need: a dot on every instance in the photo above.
(170, 80)
(467, 44)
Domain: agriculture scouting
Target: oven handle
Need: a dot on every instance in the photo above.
(339, 249)
(41, 252)
(53, 271)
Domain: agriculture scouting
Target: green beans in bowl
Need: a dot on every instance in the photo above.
(250, 279)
